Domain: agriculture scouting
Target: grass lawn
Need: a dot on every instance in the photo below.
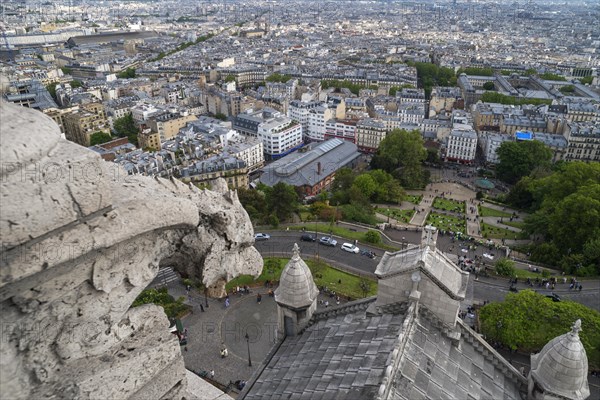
(413, 198)
(490, 212)
(399, 215)
(493, 232)
(323, 229)
(447, 223)
(514, 224)
(449, 205)
(323, 275)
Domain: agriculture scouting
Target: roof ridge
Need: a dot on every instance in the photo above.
(356, 305)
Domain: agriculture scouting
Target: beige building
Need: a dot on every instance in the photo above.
(583, 141)
(369, 134)
(80, 125)
(168, 124)
(147, 139)
(233, 170)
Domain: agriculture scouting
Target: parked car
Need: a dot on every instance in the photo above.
(328, 241)
(308, 238)
(262, 236)
(350, 248)
(368, 253)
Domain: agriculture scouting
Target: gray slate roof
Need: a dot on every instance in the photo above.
(342, 356)
(433, 368)
(296, 286)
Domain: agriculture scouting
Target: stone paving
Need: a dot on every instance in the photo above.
(217, 325)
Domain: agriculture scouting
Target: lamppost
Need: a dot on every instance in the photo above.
(248, 343)
(388, 214)
(403, 240)
(206, 297)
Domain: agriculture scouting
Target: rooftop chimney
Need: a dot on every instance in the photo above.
(319, 168)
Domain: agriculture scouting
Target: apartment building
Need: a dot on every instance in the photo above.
(148, 139)
(317, 118)
(280, 136)
(342, 129)
(81, 124)
(369, 134)
(202, 172)
(168, 124)
(300, 111)
(583, 141)
(462, 146)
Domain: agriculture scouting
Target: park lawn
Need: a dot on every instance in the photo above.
(514, 224)
(493, 232)
(399, 215)
(447, 222)
(324, 229)
(323, 275)
(490, 212)
(449, 205)
(413, 198)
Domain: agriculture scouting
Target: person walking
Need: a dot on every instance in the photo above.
(212, 374)
(227, 302)
(258, 298)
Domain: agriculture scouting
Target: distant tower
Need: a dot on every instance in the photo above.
(560, 370)
(296, 296)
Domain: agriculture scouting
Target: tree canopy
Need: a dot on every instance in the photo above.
(565, 206)
(401, 153)
(489, 86)
(125, 127)
(99, 138)
(526, 321)
(430, 75)
(495, 97)
(519, 159)
(127, 74)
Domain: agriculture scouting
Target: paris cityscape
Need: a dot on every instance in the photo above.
(300, 200)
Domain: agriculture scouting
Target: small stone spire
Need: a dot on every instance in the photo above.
(295, 252)
(575, 329)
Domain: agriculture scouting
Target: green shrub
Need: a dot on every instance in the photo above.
(373, 237)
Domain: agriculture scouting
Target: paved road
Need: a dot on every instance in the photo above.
(490, 289)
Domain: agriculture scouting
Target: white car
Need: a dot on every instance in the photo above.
(349, 247)
(262, 236)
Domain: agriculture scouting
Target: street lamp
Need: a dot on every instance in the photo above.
(403, 240)
(206, 297)
(248, 343)
(388, 214)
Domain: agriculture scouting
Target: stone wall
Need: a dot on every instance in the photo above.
(80, 240)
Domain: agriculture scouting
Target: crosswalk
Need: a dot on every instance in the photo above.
(164, 277)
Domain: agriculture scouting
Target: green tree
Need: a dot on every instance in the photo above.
(125, 127)
(505, 267)
(52, 89)
(282, 200)
(127, 74)
(489, 86)
(366, 184)
(402, 153)
(365, 286)
(527, 321)
(221, 116)
(75, 84)
(567, 89)
(552, 77)
(99, 138)
(372, 237)
(230, 78)
(518, 159)
(476, 71)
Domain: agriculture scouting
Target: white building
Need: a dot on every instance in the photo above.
(280, 136)
(299, 111)
(342, 129)
(462, 145)
(490, 144)
(317, 118)
(249, 150)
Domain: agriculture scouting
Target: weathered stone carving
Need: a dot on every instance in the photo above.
(80, 240)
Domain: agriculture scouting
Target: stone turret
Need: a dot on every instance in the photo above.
(560, 370)
(80, 240)
(296, 296)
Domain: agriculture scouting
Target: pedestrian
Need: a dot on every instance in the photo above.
(227, 302)
(580, 287)
(258, 298)
(212, 373)
(187, 289)
(201, 308)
